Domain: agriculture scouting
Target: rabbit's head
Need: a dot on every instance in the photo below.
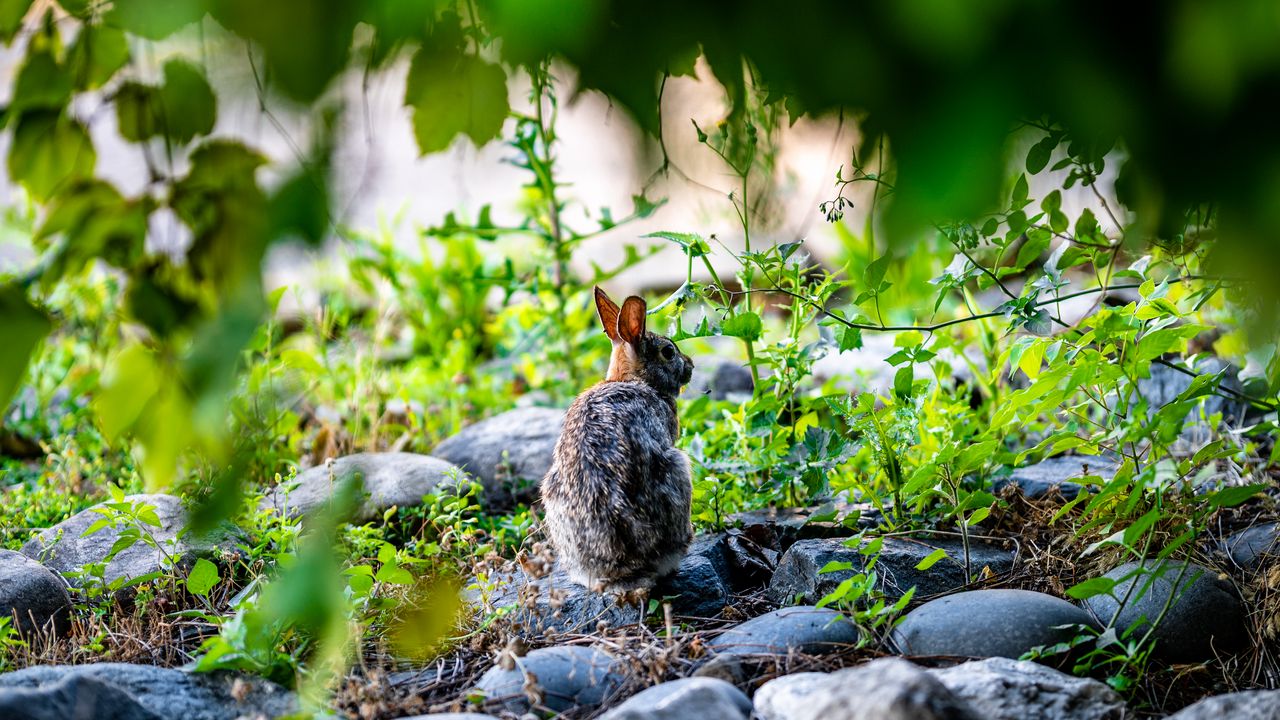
(637, 353)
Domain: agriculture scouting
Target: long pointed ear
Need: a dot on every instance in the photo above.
(631, 322)
(608, 311)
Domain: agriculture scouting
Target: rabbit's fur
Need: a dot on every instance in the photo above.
(617, 495)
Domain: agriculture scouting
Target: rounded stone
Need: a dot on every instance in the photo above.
(804, 628)
(388, 479)
(692, 697)
(1247, 705)
(988, 623)
(1204, 619)
(32, 593)
(1254, 546)
(509, 453)
(564, 677)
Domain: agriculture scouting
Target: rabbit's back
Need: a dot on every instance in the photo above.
(618, 494)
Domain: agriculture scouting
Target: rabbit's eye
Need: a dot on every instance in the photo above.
(668, 352)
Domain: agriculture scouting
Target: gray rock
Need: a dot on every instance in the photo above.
(72, 698)
(884, 689)
(779, 528)
(797, 574)
(1248, 705)
(32, 593)
(804, 629)
(1165, 384)
(508, 453)
(1004, 689)
(554, 602)
(1205, 617)
(451, 716)
(561, 678)
(64, 548)
(720, 379)
(988, 623)
(169, 693)
(1251, 548)
(1038, 480)
(694, 697)
(390, 479)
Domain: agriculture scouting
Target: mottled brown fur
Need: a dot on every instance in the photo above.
(617, 496)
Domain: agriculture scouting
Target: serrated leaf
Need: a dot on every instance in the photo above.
(745, 325)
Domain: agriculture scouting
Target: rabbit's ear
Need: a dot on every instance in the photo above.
(631, 322)
(608, 311)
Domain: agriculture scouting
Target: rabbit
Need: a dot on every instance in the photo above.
(617, 495)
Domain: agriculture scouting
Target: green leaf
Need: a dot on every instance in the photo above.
(180, 109)
(187, 102)
(835, 566)
(931, 559)
(1038, 155)
(745, 325)
(98, 53)
(137, 114)
(11, 14)
(42, 84)
(49, 151)
(1134, 532)
(1233, 496)
(692, 243)
(873, 276)
(454, 94)
(202, 578)
(128, 384)
(24, 327)
(154, 19)
(1090, 588)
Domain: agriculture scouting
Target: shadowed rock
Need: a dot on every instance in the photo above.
(1205, 616)
(32, 594)
(798, 576)
(508, 453)
(165, 692)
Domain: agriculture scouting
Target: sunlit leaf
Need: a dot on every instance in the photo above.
(24, 327)
(453, 93)
(49, 151)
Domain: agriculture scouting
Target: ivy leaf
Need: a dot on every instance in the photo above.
(24, 328)
(453, 94)
(49, 150)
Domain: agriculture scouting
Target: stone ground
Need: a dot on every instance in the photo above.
(737, 631)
